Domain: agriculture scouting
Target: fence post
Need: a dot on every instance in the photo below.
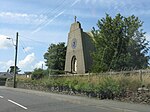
(141, 78)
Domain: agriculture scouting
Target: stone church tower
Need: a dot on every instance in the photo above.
(79, 48)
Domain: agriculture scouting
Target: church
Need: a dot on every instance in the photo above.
(79, 49)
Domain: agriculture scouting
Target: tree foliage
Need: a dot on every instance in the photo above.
(55, 56)
(120, 44)
(12, 69)
(38, 73)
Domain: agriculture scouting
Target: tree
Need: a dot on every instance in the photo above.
(38, 73)
(12, 69)
(120, 44)
(55, 56)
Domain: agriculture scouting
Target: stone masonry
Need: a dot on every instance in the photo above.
(79, 49)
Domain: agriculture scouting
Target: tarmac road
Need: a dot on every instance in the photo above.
(21, 100)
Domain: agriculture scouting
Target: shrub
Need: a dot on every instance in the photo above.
(109, 88)
(73, 83)
(104, 86)
(129, 83)
(56, 72)
(37, 74)
(2, 81)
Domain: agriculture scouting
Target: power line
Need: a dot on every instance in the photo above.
(57, 14)
(46, 10)
(24, 51)
(23, 47)
(36, 41)
(55, 11)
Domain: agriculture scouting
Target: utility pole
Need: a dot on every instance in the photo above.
(42, 66)
(15, 68)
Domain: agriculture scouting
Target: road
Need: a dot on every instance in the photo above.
(21, 100)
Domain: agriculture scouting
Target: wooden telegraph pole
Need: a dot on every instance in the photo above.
(16, 52)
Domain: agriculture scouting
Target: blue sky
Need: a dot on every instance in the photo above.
(42, 22)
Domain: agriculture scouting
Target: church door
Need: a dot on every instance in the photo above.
(74, 65)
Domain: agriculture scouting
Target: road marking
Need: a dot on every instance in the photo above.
(18, 104)
(124, 110)
(1, 97)
(114, 108)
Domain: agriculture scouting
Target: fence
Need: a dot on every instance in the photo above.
(133, 72)
(141, 74)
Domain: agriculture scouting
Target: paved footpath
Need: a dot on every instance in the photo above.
(22, 100)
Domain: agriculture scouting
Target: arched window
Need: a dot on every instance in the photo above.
(74, 64)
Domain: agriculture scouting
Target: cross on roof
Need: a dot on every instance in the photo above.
(75, 18)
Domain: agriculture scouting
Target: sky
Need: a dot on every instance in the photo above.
(43, 22)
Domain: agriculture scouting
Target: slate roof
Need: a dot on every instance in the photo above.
(6, 74)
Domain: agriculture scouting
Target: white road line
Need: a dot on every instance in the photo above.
(18, 104)
(1, 97)
(124, 110)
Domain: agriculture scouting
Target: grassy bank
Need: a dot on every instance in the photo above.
(101, 86)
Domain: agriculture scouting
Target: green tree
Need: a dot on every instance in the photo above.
(55, 56)
(120, 44)
(12, 69)
(38, 73)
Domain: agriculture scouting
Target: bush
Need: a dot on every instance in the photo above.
(128, 83)
(104, 87)
(56, 72)
(73, 83)
(2, 81)
(109, 88)
(37, 74)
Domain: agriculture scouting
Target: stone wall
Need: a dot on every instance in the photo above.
(142, 97)
(2, 81)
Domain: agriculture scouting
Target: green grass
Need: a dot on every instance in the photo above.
(108, 86)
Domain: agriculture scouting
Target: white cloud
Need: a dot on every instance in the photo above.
(27, 61)
(21, 18)
(10, 63)
(25, 64)
(5, 65)
(28, 49)
(4, 42)
(40, 64)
